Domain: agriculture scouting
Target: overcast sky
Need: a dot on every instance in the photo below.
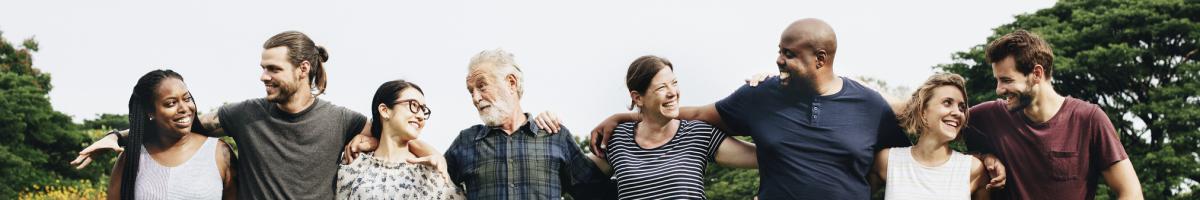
(574, 54)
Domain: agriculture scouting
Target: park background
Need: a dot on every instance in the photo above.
(67, 67)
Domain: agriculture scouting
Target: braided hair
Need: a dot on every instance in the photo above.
(141, 106)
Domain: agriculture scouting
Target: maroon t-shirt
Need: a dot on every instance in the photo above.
(1059, 159)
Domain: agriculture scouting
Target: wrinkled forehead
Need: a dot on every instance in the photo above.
(484, 73)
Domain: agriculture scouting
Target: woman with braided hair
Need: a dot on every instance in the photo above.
(168, 159)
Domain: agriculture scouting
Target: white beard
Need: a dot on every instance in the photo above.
(497, 113)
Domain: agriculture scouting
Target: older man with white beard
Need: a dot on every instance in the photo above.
(509, 156)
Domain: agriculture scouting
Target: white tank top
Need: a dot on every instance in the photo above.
(908, 179)
(197, 178)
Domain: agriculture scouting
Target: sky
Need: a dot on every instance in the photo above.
(574, 53)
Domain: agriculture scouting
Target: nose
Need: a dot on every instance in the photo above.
(956, 113)
(780, 62)
(264, 78)
(183, 108)
(672, 92)
(421, 117)
(476, 96)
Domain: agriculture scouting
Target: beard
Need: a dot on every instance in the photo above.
(1023, 100)
(286, 91)
(497, 110)
(802, 83)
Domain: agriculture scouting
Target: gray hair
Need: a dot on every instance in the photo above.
(502, 63)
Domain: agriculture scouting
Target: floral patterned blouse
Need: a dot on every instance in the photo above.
(369, 177)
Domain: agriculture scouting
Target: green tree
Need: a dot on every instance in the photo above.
(1137, 59)
(38, 141)
(730, 183)
(107, 122)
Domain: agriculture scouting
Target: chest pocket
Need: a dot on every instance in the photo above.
(1065, 165)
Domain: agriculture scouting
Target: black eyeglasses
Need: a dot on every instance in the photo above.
(417, 108)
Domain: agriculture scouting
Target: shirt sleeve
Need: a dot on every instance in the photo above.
(1106, 148)
(735, 109)
(890, 133)
(973, 135)
(454, 158)
(357, 122)
(714, 143)
(580, 176)
(227, 115)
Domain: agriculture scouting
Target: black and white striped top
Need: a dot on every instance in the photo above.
(674, 170)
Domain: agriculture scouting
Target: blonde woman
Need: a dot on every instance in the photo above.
(930, 169)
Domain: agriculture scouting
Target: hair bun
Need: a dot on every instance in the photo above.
(324, 54)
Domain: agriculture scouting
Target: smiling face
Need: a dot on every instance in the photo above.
(795, 67)
(401, 117)
(174, 111)
(661, 99)
(1012, 85)
(281, 78)
(943, 116)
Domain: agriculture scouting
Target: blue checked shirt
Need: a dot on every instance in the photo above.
(529, 164)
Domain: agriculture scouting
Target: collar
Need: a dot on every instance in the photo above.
(530, 127)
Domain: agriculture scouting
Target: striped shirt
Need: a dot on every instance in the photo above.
(674, 170)
(909, 179)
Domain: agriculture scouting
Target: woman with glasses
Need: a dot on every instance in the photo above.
(398, 115)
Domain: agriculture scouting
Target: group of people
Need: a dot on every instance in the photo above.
(816, 136)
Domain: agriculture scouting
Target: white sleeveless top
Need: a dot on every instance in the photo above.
(908, 179)
(197, 178)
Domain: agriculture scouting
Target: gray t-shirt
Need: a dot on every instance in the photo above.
(288, 156)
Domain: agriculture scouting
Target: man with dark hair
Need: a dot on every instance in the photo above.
(1054, 147)
(816, 132)
(290, 142)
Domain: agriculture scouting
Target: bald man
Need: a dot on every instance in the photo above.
(816, 132)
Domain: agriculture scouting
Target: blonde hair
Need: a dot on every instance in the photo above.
(911, 118)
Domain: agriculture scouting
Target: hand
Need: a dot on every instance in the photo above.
(549, 121)
(760, 77)
(360, 143)
(427, 155)
(995, 169)
(108, 142)
(601, 134)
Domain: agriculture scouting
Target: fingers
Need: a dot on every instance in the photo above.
(997, 173)
(345, 158)
(543, 121)
(555, 122)
(549, 121)
(758, 78)
(81, 161)
(427, 160)
(595, 148)
(598, 141)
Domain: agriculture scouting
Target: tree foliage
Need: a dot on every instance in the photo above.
(1137, 59)
(38, 141)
